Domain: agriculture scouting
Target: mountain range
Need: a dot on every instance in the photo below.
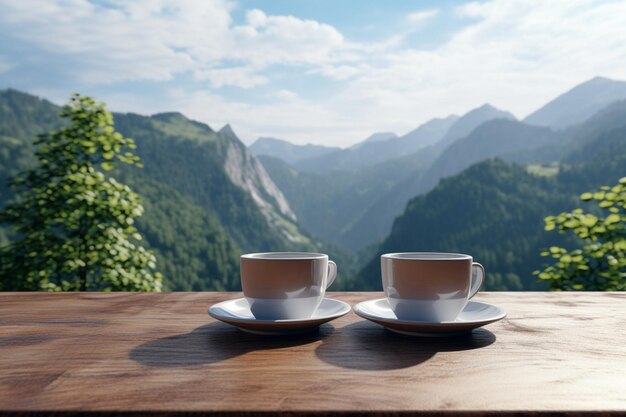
(206, 195)
(478, 183)
(287, 151)
(482, 133)
(578, 104)
(495, 210)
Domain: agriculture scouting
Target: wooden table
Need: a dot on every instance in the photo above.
(161, 354)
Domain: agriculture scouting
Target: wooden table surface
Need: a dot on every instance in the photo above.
(120, 353)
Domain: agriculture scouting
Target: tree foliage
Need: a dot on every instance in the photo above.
(74, 224)
(600, 265)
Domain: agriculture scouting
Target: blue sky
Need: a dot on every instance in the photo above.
(329, 72)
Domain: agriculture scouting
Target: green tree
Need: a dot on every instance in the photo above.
(74, 224)
(600, 265)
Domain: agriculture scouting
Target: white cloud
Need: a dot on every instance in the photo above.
(256, 18)
(515, 54)
(286, 95)
(157, 40)
(340, 72)
(421, 16)
(243, 77)
(299, 120)
(5, 65)
(286, 40)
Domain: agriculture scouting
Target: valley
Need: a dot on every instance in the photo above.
(478, 183)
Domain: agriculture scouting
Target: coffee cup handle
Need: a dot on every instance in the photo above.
(478, 276)
(332, 273)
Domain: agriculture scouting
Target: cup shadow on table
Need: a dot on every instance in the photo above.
(367, 346)
(215, 342)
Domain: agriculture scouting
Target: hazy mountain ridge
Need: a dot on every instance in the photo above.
(482, 133)
(375, 222)
(498, 137)
(508, 139)
(375, 137)
(287, 151)
(426, 134)
(400, 174)
(465, 124)
(328, 204)
(369, 153)
(578, 104)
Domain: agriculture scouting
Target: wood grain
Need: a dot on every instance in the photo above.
(161, 354)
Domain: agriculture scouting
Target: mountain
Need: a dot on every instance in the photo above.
(426, 134)
(327, 204)
(375, 137)
(499, 137)
(361, 204)
(598, 162)
(287, 151)
(611, 117)
(494, 210)
(503, 138)
(578, 104)
(369, 153)
(364, 189)
(491, 202)
(374, 222)
(470, 121)
(207, 197)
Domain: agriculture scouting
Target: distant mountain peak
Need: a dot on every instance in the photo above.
(598, 79)
(375, 137)
(266, 140)
(489, 110)
(486, 106)
(431, 131)
(450, 118)
(579, 103)
(287, 151)
(227, 131)
(170, 115)
(464, 125)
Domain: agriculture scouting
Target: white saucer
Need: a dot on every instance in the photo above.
(474, 315)
(237, 312)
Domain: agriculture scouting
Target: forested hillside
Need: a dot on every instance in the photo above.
(207, 198)
(494, 210)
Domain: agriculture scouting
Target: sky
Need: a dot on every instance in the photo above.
(327, 72)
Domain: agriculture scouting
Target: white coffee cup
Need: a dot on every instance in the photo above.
(429, 286)
(285, 285)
